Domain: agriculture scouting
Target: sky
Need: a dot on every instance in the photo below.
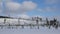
(46, 8)
(30, 8)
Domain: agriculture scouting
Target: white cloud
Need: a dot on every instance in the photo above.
(23, 16)
(29, 5)
(14, 7)
(0, 5)
(49, 9)
(0, 11)
(50, 6)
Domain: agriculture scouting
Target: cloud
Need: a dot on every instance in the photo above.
(49, 9)
(0, 7)
(50, 6)
(0, 11)
(18, 8)
(23, 16)
(29, 5)
(14, 7)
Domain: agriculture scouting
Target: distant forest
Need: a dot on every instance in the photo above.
(4, 17)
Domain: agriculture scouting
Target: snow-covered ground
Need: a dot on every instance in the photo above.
(15, 21)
